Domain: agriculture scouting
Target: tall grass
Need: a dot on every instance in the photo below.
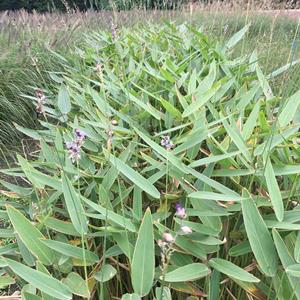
(27, 43)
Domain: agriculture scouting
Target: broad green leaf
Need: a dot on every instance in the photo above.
(237, 37)
(187, 273)
(77, 285)
(30, 236)
(74, 206)
(274, 190)
(60, 226)
(259, 237)
(142, 266)
(106, 273)
(87, 256)
(134, 176)
(63, 102)
(41, 281)
(232, 270)
(288, 112)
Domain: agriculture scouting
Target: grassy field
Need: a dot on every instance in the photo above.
(156, 155)
(27, 43)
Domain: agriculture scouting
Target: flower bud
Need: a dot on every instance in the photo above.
(186, 229)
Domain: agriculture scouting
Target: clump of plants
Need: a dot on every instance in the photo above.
(167, 169)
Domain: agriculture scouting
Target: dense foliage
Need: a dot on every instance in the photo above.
(163, 163)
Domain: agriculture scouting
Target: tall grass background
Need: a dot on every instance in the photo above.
(30, 43)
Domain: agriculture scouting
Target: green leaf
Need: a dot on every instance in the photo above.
(264, 83)
(237, 138)
(237, 37)
(74, 206)
(288, 112)
(293, 270)
(163, 293)
(214, 286)
(63, 102)
(130, 297)
(187, 273)
(134, 176)
(259, 237)
(251, 122)
(215, 196)
(77, 285)
(30, 236)
(60, 226)
(41, 268)
(5, 281)
(106, 273)
(142, 267)
(28, 170)
(286, 260)
(274, 191)
(87, 256)
(231, 270)
(41, 281)
(297, 248)
(112, 216)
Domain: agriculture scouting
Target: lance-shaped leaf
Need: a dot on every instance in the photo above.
(274, 191)
(142, 267)
(187, 273)
(231, 270)
(30, 236)
(74, 206)
(40, 280)
(69, 250)
(259, 238)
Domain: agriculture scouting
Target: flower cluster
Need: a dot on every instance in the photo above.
(114, 29)
(74, 147)
(168, 239)
(180, 211)
(40, 101)
(167, 143)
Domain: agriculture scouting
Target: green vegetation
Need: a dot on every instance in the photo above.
(168, 165)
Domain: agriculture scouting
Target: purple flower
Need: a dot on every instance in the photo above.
(80, 135)
(180, 211)
(74, 147)
(166, 142)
